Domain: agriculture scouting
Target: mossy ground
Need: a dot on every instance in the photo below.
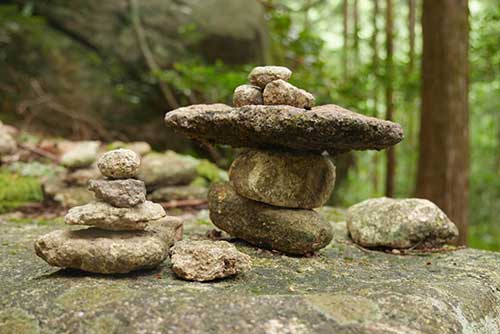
(17, 190)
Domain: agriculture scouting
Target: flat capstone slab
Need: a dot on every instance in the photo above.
(324, 128)
(342, 289)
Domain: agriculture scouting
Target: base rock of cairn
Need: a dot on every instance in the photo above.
(276, 183)
(128, 233)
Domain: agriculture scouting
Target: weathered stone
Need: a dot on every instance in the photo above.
(120, 193)
(399, 223)
(343, 289)
(166, 169)
(173, 193)
(7, 143)
(247, 95)
(55, 189)
(119, 164)
(80, 154)
(286, 230)
(327, 127)
(262, 75)
(205, 260)
(108, 252)
(281, 92)
(283, 179)
(107, 217)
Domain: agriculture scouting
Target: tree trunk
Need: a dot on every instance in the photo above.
(443, 168)
(389, 100)
(411, 27)
(345, 36)
(355, 19)
(375, 65)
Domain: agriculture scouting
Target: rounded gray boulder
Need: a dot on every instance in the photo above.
(119, 193)
(247, 95)
(119, 164)
(262, 75)
(280, 92)
(283, 179)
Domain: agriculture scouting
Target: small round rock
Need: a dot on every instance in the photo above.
(245, 95)
(119, 164)
(262, 75)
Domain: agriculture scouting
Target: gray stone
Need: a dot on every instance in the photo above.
(107, 217)
(281, 92)
(120, 193)
(283, 179)
(343, 289)
(247, 95)
(399, 223)
(167, 169)
(7, 144)
(109, 252)
(290, 231)
(55, 189)
(81, 177)
(205, 260)
(262, 75)
(80, 154)
(327, 127)
(176, 193)
(119, 164)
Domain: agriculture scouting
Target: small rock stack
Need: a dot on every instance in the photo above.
(128, 232)
(284, 172)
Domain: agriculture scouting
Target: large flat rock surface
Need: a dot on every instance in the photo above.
(323, 128)
(343, 289)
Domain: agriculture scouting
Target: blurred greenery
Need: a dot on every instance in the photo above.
(17, 190)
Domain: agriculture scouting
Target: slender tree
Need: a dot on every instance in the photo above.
(443, 167)
(389, 92)
(375, 68)
(355, 22)
(345, 36)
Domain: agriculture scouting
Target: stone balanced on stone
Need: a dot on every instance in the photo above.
(128, 232)
(284, 171)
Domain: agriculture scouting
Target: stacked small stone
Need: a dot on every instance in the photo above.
(128, 232)
(284, 172)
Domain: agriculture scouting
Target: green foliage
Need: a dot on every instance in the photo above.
(17, 190)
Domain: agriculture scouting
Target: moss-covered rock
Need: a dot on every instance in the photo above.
(342, 289)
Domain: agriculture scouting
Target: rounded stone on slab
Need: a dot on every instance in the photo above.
(280, 92)
(119, 164)
(291, 231)
(206, 260)
(109, 252)
(247, 95)
(119, 193)
(399, 223)
(283, 179)
(262, 75)
(108, 217)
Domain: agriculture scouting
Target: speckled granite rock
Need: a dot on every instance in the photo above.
(341, 290)
(205, 260)
(281, 92)
(119, 164)
(283, 179)
(290, 231)
(262, 75)
(329, 127)
(120, 193)
(109, 252)
(105, 216)
(175, 193)
(246, 95)
(80, 154)
(166, 169)
(399, 223)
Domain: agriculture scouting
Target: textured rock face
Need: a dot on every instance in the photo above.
(173, 193)
(399, 223)
(165, 169)
(286, 230)
(7, 143)
(119, 164)
(341, 290)
(247, 95)
(327, 127)
(81, 154)
(281, 92)
(283, 179)
(206, 260)
(107, 217)
(109, 252)
(119, 193)
(262, 75)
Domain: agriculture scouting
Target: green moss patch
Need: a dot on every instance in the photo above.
(17, 190)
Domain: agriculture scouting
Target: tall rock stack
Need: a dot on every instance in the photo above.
(284, 172)
(128, 232)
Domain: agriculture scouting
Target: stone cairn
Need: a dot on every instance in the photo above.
(284, 172)
(127, 232)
